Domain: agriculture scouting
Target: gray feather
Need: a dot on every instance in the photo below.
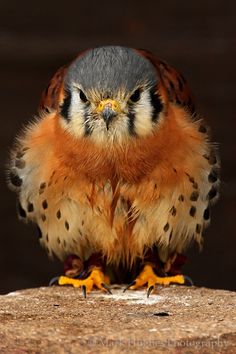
(109, 69)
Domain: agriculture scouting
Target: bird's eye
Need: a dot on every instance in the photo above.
(83, 96)
(135, 97)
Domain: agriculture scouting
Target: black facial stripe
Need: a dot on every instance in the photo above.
(156, 104)
(66, 105)
(131, 127)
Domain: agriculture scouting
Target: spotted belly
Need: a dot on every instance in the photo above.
(171, 222)
(81, 222)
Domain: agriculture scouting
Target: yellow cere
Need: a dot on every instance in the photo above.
(108, 103)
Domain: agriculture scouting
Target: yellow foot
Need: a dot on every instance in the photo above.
(147, 276)
(95, 279)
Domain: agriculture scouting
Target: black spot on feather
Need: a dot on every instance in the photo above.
(19, 163)
(206, 214)
(67, 226)
(30, 207)
(173, 211)
(20, 210)
(45, 204)
(166, 227)
(15, 179)
(192, 211)
(19, 154)
(212, 193)
(212, 177)
(194, 196)
(42, 186)
(211, 158)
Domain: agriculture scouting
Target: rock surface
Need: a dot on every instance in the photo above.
(177, 319)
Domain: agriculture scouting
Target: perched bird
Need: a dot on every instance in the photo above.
(117, 169)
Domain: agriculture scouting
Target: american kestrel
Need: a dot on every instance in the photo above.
(118, 169)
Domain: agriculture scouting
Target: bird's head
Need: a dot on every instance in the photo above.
(110, 94)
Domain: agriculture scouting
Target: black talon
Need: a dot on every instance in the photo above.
(84, 291)
(188, 280)
(129, 285)
(106, 287)
(149, 290)
(54, 281)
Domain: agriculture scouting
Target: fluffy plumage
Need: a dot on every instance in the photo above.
(146, 178)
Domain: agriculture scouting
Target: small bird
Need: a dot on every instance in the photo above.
(117, 170)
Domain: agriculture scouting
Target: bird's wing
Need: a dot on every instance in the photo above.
(50, 96)
(174, 84)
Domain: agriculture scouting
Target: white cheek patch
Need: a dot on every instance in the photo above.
(143, 115)
(118, 130)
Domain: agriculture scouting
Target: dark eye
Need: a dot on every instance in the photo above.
(135, 97)
(83, 96)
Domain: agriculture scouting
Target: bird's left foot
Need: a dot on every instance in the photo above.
(148, 276)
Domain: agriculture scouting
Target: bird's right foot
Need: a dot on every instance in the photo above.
(86, 279)
(95, 279)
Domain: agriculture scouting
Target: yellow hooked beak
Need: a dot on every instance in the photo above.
(108, 109)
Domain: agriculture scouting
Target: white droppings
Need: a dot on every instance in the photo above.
(13, 293)
(132, 296)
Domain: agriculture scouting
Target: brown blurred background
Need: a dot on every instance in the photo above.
(197, 37)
